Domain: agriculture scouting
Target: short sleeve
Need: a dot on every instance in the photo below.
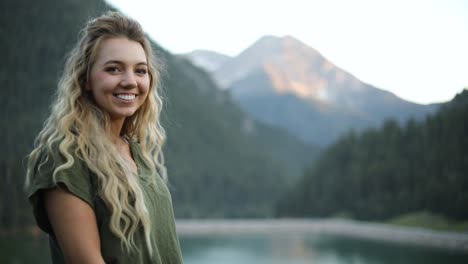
(76, 179)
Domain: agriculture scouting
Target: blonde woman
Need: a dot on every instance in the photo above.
(96, 178)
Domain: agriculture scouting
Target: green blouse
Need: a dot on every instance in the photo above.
(80, 181)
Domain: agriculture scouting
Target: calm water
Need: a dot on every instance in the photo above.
(299, 249)
(260, 249)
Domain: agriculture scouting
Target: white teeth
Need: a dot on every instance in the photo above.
(126, 97)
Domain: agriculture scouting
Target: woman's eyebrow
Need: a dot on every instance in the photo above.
(113, 62)
(122, 63)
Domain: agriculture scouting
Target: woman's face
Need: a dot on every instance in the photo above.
(119, 78)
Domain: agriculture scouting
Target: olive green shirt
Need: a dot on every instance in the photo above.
(80, 181)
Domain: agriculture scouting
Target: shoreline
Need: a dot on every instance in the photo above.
(334, 227)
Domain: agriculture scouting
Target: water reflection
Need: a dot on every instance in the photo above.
(280, 248)
(307, 248)
(291, 247)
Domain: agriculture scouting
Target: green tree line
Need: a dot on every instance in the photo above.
(394, 170)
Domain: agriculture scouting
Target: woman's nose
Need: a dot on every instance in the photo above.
(128, 80)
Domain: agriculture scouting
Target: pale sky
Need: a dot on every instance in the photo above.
(417, 49)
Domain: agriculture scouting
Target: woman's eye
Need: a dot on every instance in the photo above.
(141, 71)
(112, 69)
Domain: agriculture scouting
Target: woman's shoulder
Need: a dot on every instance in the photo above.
(53, 156)
(53, 167)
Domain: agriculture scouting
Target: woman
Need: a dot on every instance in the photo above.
(96, 178)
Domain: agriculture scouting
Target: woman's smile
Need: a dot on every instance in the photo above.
(126, 97)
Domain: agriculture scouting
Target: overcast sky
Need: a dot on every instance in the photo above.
(418, 49)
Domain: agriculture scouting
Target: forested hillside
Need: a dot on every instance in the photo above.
(378, 174)
(221, 163)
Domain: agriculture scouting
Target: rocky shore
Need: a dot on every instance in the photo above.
(345, 228)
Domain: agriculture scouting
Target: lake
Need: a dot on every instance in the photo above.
(264, 248)
(308, 248)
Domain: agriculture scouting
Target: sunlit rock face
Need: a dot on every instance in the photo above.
(291, 66)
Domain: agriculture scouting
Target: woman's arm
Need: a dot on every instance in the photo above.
(75, 227)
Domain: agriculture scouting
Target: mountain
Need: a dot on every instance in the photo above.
(221, 163)
(395, 170)
(208, 60)
(283, 82)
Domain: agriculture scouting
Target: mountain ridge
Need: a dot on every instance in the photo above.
(206, 59)
(275, 66)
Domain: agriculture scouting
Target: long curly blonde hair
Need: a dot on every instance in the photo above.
(81, 129)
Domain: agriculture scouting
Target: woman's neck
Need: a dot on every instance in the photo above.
(116, 129)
